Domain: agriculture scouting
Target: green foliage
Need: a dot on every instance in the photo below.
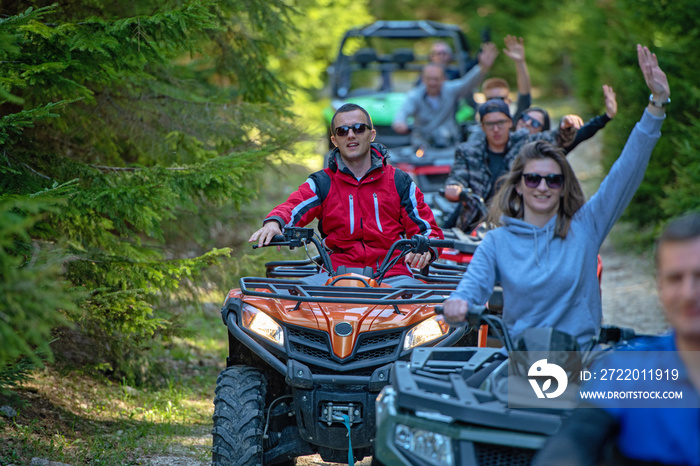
(681, 195)
(33, 294)
(670, 29)
(319, 26)
(117, 123)
(574, 47)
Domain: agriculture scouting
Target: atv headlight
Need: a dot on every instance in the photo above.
(426, 331)
(434, 448)
(262, 324)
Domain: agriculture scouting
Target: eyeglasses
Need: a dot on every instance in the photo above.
(554, 180)
(534, 123)
(494, 124)
(358, 128)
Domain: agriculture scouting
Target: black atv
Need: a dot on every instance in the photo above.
(477, 406)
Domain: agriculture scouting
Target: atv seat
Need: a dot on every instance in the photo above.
(292, 268)
(366, 271)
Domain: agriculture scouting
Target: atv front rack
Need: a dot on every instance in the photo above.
(296, 290)
(448, 381)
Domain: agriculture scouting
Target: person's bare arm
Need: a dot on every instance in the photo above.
(515, 49)
(610, 101)
(487, 56)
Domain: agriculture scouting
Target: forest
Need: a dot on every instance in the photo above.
(135, 137)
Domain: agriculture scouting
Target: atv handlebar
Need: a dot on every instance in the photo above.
(466, 195)
(292, 237)
(478, 315)
(442, 243)
(295, 237)
(277, 240)
(474, 315)
(417, 244)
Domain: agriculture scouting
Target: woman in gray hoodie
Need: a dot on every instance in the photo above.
(546, 248)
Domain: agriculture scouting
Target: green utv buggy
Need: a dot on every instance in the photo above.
(379, 63)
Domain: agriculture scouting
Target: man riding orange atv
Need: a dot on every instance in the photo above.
(307, 357)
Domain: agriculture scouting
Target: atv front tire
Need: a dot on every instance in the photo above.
(239, 417)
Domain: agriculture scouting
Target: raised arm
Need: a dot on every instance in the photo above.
(610, 101)
(487, 56)
(515, 49)
(656, 81)
(596, 123)
(626, 174)
(467, 83)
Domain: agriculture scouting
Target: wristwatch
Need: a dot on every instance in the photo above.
(658, 104)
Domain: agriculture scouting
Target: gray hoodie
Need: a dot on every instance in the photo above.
(549, 281)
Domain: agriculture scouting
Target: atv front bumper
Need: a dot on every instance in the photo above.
(438, 436)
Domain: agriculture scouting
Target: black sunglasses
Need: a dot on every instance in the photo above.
(554, 180)
(533, 122)
(358, 128)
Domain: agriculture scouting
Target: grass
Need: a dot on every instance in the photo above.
(66, 415)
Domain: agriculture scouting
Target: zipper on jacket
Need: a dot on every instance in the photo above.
(352, 216)
(376, 211)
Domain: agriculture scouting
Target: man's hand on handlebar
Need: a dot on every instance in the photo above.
(455, 310)
(264, 235)
(452, 192)
(418, 261)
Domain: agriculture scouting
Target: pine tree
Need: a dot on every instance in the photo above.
(117, 121)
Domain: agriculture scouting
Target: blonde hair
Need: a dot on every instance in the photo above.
(493, 83)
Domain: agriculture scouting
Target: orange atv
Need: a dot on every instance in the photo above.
(307, 361)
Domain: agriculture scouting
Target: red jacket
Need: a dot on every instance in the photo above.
(360, 220)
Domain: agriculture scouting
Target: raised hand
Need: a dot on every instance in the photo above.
(567, 129)
(515, 48)
(610, 101)
(487, 55)
(571, 121)
(653, 75)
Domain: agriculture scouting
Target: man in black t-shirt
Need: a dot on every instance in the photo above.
(488, 154)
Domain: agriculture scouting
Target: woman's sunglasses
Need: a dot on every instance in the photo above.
(533, 122)
(553, 180)
(358, 128)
